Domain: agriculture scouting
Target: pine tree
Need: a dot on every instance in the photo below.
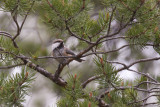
(138, 25)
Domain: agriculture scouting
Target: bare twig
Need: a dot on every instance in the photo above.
(125, 66)
(53, 57)
(109, 39)
(146, 82)
(139, 61)
(144, 74)
(144, 99)
(110, 20)
(115, 50)
(90, 80)
(11, 66)
(19, 28)
(72, 34)
(9, 36)
(153, 103)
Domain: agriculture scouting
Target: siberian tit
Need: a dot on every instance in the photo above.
(58, 49)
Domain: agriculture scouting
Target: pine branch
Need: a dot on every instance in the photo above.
(144, 99)
(54, 9)
(115, 50)
(110, 20)
(77, 13)
(55, 78)
(11, 66)
(9, 36)
(74, 35)
(125, 5)
(138, 61)
(84, 84)
(153, 103)
(102, 103)
(146, 82)
(144, 74)
(19, 28)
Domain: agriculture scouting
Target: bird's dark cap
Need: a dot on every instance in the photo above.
(57, 40)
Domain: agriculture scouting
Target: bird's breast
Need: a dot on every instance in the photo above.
(57, 53)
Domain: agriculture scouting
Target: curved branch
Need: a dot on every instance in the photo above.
(106, 52)
(19, 28)
(84, 84)
(144, 74)
(144, 99)
(139, 61)
(115, 50)
(53, 57)
(54, 78)
(9, 36)
(146, 82)
(72, 34)
(11, 66)
(146, 104)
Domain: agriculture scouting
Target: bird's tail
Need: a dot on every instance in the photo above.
(80, 60)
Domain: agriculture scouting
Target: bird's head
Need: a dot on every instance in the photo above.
(58, 43)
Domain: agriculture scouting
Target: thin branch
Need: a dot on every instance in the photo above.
(53, 57)
(103, 27)
(128, 87)
(52, 7)
(114, 49)
(84, 84)
(124, 26)
(14, 16)
(98, 40)
(54, 77)
(6, 34)
(77, 13)
(120, 37)
(106, 52)
(143, 99)
(115, 62)
(139, 61)
(19, 28)
(153, 103)
(144, 74)
(9, 36)
(11, 66)
(72, 34)
(110, 20)
(146, 82)
(107, 35)
(61, 66)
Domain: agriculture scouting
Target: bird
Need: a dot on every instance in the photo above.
(58, 49)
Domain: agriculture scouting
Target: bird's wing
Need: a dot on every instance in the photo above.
(69, 52)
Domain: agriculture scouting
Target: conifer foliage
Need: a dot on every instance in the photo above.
(14, 88)
(138, 25)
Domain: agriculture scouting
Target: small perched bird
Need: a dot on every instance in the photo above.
(58, 49)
